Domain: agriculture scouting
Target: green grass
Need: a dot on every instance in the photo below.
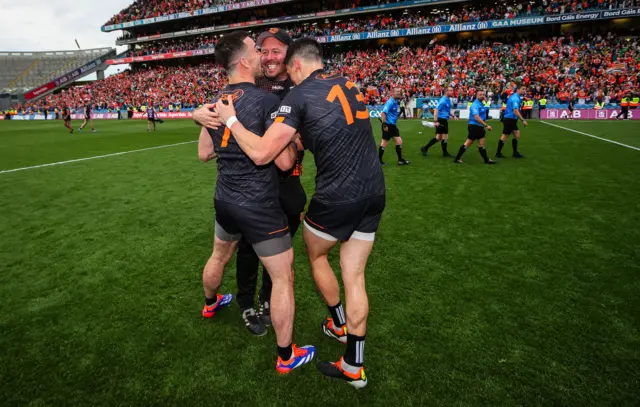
(508, 285)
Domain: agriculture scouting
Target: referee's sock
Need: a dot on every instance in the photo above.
(431, 143)
(514, 143)
(337, 314)
(444, 145)
(483, 153)
(380, 153)
(500, 145)
(399, 152)
(462, 150)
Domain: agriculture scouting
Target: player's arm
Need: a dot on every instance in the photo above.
(435, 113)
(206, 151)
(288, 157)
(261, 150)
(453, 114)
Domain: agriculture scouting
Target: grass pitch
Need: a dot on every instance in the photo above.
(515, 284)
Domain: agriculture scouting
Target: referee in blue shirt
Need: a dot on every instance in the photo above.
(511, 116)
(441, 114)
(390, 130)
(477, 126)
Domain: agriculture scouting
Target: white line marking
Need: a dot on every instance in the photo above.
(592, 136)
(95, 157)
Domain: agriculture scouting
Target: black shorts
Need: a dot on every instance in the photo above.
(442, 127)
(476, 132)
(341, 222)
(87, 117)
(510, 125)
(391, 132)
(266, 228)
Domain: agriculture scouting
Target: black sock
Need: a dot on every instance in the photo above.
(483, 153)
(399, 152)
(380, 152)
(337, 314)
(514, 143)
(430, 143)
(286, 352)
(355, 350)
(500, 145)
(462, 150)
(211, 301)
(444, 145)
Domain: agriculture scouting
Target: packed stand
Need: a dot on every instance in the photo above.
(559, 68)
(141, 9)
(184, 86)
(590, 68)
(176, 45)
(467, 12)
(461, 13)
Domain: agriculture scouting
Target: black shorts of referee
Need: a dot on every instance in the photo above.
(509, 126)
(442, 127)
(476, 132)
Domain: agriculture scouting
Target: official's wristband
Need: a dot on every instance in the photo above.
(231, 121)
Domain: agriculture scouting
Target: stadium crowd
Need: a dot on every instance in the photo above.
(469, 12)
(141, 9)
(174, 45)
(590, 68)
(466, 12)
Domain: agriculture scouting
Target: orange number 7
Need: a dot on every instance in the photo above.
(225, 137)
(338, 92)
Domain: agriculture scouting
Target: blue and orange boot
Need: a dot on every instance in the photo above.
(331, 331)
(299, 357)
(336, 371)
(223, 301)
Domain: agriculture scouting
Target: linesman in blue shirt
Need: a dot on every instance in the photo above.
(477, 126)
(390, 114)
(441, 115)
(511, 116)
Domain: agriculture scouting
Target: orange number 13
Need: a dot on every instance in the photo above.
(338, 92)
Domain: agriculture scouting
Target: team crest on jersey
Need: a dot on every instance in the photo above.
(273, 30)
(235, 95)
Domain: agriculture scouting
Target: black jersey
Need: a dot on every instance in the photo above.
(278, 88)
(329, 113)
(281, 89)
(87, 112)
(240, 181)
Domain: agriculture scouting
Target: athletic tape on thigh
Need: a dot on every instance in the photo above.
(320, 234)
(368, 237)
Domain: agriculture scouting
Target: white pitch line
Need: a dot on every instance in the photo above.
(592, 136)
(95, 157)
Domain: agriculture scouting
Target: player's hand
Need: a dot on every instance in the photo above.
(225, 108)
(385, 127)
(455, 117)
(207, 118)
(524, 123)
(489, 128)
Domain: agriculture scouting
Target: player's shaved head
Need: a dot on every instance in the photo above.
(307, 49)
(230, 49)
